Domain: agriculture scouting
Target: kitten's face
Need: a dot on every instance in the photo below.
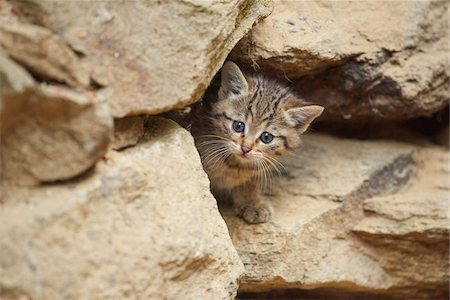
(257, 120)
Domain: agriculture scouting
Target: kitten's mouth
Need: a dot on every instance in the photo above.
(243, 157)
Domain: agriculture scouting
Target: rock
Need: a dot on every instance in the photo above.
(51, 133)
(348, 215)
(127, 132)
(407, 233)
(43, 52)
(132, 229)
(344, 56)
(12, 76)
(150, 56)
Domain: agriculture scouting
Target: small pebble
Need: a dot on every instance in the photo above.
(293, 30)
(303, 18)
(290, 22)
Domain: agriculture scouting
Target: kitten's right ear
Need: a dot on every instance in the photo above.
(233, 82)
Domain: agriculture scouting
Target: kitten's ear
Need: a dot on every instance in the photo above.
(299, 116)
(233, 82)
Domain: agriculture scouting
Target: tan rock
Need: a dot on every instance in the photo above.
(51, 133)
(407, 233)
(358, 64)
(12, 76)
(151, 56)
(127, 132)
(340, 208)
(133, 229)
(42, 51)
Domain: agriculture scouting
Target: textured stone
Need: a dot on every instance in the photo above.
(343, 55)
(41, 51)
(127, 132)
(151, 56)
(12, 76)
(51, 133)
(348, 215)
(131, 229)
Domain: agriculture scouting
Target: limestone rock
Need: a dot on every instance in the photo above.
(348, 215)
(151, 56)
(407, 233)
(132, 229)
(344, 55)
(127, 132)
(51, 133)
(42, 51)
(12, 76)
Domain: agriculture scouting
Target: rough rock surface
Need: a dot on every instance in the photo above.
(13, 78)
(127, 132)
(151, 56)
(132, 229)
(50, 133)
(41, 51)
(358, 64)
(375, 225)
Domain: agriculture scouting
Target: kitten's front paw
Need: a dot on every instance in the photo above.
(253, 214)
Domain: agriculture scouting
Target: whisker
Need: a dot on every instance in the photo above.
(275, 161)
(210, 152)
(215, 156)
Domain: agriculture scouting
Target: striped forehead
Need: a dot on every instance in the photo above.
(261, 105)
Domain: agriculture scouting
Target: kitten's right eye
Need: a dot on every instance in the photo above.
(238, 126)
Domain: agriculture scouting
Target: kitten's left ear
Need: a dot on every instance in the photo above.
(301, 117)
(233, 82)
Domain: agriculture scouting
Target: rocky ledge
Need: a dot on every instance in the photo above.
(374, 226)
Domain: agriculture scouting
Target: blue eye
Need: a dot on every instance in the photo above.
(238, 126)
(266, 137)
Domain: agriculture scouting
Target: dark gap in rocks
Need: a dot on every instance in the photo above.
(433, 126)
(42, 79)
(432, 292)
(319, 293)
(39, 78)
(80, 54)
(419, 131)
(95, 85)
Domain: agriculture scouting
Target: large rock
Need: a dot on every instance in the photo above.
(41, 51)
(355, 217)
(151, 56)
(132, 229)
(363, 58)
(48, 133)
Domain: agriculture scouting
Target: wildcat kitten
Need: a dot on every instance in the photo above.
(253, 122)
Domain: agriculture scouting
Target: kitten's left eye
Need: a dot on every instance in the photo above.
(266, 137)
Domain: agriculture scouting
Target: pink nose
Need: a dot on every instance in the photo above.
(246, 149)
